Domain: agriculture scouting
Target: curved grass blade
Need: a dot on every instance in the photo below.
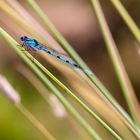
(99, 87)
(127, 19)
(74, 97)
(117, 62)
(56, 92)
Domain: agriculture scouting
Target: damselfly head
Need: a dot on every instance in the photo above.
(23, 38)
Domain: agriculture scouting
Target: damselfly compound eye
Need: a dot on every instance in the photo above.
(23, 38)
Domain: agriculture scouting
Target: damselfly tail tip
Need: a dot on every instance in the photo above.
(88, 72)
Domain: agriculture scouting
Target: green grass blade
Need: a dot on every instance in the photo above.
(33, 80)
(99, 86)
(116, 61)
(56, 92)
(74, 97)
(35, 122)
(127, 18)
(57, 35)
(13, 96)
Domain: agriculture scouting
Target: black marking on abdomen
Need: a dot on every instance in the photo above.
(49, 52)
(63, 59)
(75, 65)
(58, 56)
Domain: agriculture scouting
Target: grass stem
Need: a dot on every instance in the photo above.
(35, 122)
(102, 91)
(50, 85)
(117, 62)
(127, 18)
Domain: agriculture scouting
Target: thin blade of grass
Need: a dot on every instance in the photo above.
(117, 62)
(56, 92)
(14, 97)
(35, 122)
(127, 19)
(55, 105)
(99, 87)
(74, 97)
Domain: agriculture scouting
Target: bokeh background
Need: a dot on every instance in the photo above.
(77, 23)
